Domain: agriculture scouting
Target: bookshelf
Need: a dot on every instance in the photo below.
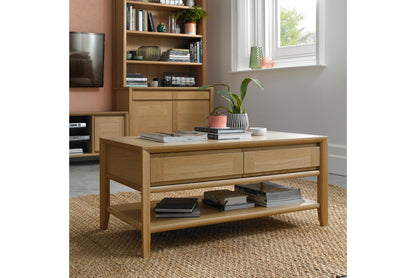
(166, 108)
(125, 41)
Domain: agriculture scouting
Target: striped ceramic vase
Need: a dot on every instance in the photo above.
(238, 120)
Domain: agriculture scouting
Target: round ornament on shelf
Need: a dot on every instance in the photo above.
(266, 63)
(161, 28)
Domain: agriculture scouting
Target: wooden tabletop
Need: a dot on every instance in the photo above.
(272, 138)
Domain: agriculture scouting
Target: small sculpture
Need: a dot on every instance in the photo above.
(161, 27)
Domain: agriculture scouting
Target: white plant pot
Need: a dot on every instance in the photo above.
(238, 120)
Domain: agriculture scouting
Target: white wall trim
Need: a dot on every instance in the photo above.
(337, 159)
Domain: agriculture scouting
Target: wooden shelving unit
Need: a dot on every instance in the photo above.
(127, 40)
(154, 109)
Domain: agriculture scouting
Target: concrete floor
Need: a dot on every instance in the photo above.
(85, 177)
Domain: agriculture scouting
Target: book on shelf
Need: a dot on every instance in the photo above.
(270, 194)
(77, 125)
(194, 213)
(219, 130)
(227, 207)
(151, 24)
(229, 136)
(136, 85)
(226, 200)
(177, 136)
(177, 207)
(224, 196)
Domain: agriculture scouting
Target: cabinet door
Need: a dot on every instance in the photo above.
(151, 116)
(107, 126)
(188, 114)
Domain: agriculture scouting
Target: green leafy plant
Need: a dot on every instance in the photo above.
(191, 15)
(236, 101)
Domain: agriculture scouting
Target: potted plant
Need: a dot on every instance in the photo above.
(237, 116)
(190, 17)
(218, 120)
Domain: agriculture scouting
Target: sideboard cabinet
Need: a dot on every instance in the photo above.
(164, 109)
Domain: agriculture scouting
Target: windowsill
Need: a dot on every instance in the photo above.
(279, 67)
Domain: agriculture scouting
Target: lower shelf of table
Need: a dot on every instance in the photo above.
(131, 214)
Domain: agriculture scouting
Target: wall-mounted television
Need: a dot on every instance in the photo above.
(86, 59)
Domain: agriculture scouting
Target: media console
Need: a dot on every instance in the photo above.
(152, 167)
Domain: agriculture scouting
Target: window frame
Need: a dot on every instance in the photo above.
(294, 56)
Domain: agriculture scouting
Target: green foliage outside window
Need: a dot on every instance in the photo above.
(290, 33)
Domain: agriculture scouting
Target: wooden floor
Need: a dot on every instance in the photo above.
(84, 179)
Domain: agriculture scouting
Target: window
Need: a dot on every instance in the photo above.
(289, 31)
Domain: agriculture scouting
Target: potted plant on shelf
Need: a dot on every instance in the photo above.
(237, 116)
(190, 17)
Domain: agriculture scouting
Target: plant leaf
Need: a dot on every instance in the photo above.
(239, 102)
(219, 107)
(244, 85)
(214, 85)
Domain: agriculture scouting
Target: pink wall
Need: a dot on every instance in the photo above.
(93, 16)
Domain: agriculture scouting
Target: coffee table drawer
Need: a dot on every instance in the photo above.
(196, 166)
(276, 159)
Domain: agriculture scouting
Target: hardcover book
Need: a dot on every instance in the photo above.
(194, 213)
(177, 136)
(228, 207)
(177, 205)
(219, 130)
(229, 136)
(226, 197)
(270, 194)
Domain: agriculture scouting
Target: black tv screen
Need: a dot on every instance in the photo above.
(86, 59)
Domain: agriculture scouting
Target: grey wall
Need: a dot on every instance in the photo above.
(304, 100)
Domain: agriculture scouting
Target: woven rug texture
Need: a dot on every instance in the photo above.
(285, 245)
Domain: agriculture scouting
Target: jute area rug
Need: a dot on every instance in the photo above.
(287, 245)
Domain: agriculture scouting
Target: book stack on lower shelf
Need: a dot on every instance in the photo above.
(177, 207)
(226, 200)
(226, 133)
(269, 194)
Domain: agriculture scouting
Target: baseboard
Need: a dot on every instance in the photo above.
(337, 159)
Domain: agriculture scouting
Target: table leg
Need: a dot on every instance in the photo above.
(145, 209)
(323, 184)
(104, 189)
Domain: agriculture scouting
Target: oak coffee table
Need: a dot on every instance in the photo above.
(151, 167)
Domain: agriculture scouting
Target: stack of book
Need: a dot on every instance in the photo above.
(177, 136)
(270, 194)
(176, 55)
(136, 80)
(224, 133)
(177, 207)
(226, 200)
